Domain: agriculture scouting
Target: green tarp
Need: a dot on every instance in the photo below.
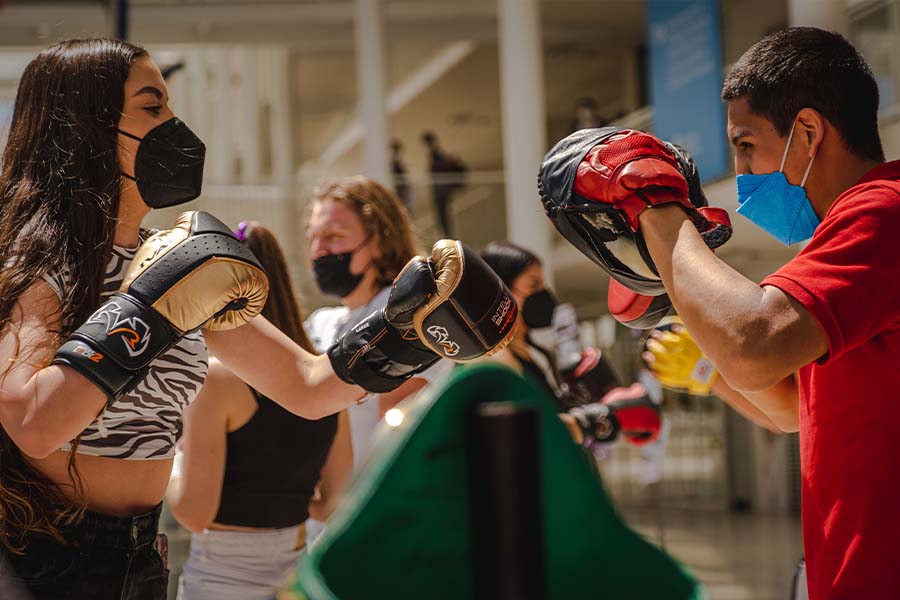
(402, 533)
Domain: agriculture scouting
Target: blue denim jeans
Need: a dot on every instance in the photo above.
(107, 558)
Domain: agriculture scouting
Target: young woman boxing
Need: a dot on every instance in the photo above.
(93, 383)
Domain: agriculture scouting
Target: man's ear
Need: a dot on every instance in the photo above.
(811, 129)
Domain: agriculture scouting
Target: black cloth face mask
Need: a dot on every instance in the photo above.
(537, 309)
(333, 276)
(168, 166)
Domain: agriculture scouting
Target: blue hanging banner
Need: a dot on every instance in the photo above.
(685, 44)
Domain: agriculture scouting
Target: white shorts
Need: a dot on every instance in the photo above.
(239, 565)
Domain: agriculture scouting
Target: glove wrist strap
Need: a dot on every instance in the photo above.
(377, 357)
(115, 346)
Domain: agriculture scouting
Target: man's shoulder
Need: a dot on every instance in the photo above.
(879, 195)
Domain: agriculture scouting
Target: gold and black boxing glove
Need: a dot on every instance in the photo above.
(195, 275)
(379, 353)
(451, 305)
(472, 314)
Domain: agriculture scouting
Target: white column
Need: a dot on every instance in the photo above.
(197, 77)
(220, 152)
(247, 115)
(371, 87)
(825, 14)
(279, 77)
(524, 137)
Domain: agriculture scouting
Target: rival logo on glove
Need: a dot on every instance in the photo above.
(442, 338)
(135, 332)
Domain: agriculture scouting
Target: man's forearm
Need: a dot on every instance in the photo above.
(781, 403)
(749, 332)
(774, 400)
(712, 299)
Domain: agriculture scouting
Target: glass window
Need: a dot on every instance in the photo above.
(875, 31)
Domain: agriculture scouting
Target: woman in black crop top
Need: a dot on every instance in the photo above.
(248, 470)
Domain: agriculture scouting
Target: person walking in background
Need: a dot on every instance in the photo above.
(400, 174)
(587, 115)
(447, 179)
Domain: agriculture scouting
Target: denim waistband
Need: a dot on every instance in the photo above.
(98, 529)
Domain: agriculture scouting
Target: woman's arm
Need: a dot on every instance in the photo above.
(42, 406)
(270, 362)
(335, 473)
(194, 493)
(389, 400)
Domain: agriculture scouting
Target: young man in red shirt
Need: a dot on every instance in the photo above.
(815, 347)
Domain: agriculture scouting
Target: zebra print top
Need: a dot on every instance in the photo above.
(146, 422)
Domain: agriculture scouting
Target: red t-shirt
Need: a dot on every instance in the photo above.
(848, 278)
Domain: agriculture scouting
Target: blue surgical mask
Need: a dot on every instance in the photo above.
(780, 209)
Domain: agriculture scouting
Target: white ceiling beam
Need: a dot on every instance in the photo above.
(319, 25)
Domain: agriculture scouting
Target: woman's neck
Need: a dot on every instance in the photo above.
(128, 235)
(128, 223)
(521, 334)
(362, 295)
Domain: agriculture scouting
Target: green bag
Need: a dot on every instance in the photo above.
(402, 531)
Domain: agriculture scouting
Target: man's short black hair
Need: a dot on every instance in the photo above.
(806, 67)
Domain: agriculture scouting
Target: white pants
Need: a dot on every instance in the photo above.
(238, 565)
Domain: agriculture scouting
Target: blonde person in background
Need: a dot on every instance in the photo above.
(359, 237)
(246, 476)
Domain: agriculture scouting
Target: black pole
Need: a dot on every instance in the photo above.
(505, 502)
(119, 12)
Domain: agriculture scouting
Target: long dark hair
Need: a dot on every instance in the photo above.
(59, 199)
(281, 308)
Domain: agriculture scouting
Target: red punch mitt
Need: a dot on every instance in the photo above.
(633, 171)
(636, 310)
(595, 183)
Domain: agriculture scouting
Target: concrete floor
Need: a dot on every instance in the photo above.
(736, 556)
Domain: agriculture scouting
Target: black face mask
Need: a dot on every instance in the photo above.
(333, 276)
(168, 166)
(537, 310)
